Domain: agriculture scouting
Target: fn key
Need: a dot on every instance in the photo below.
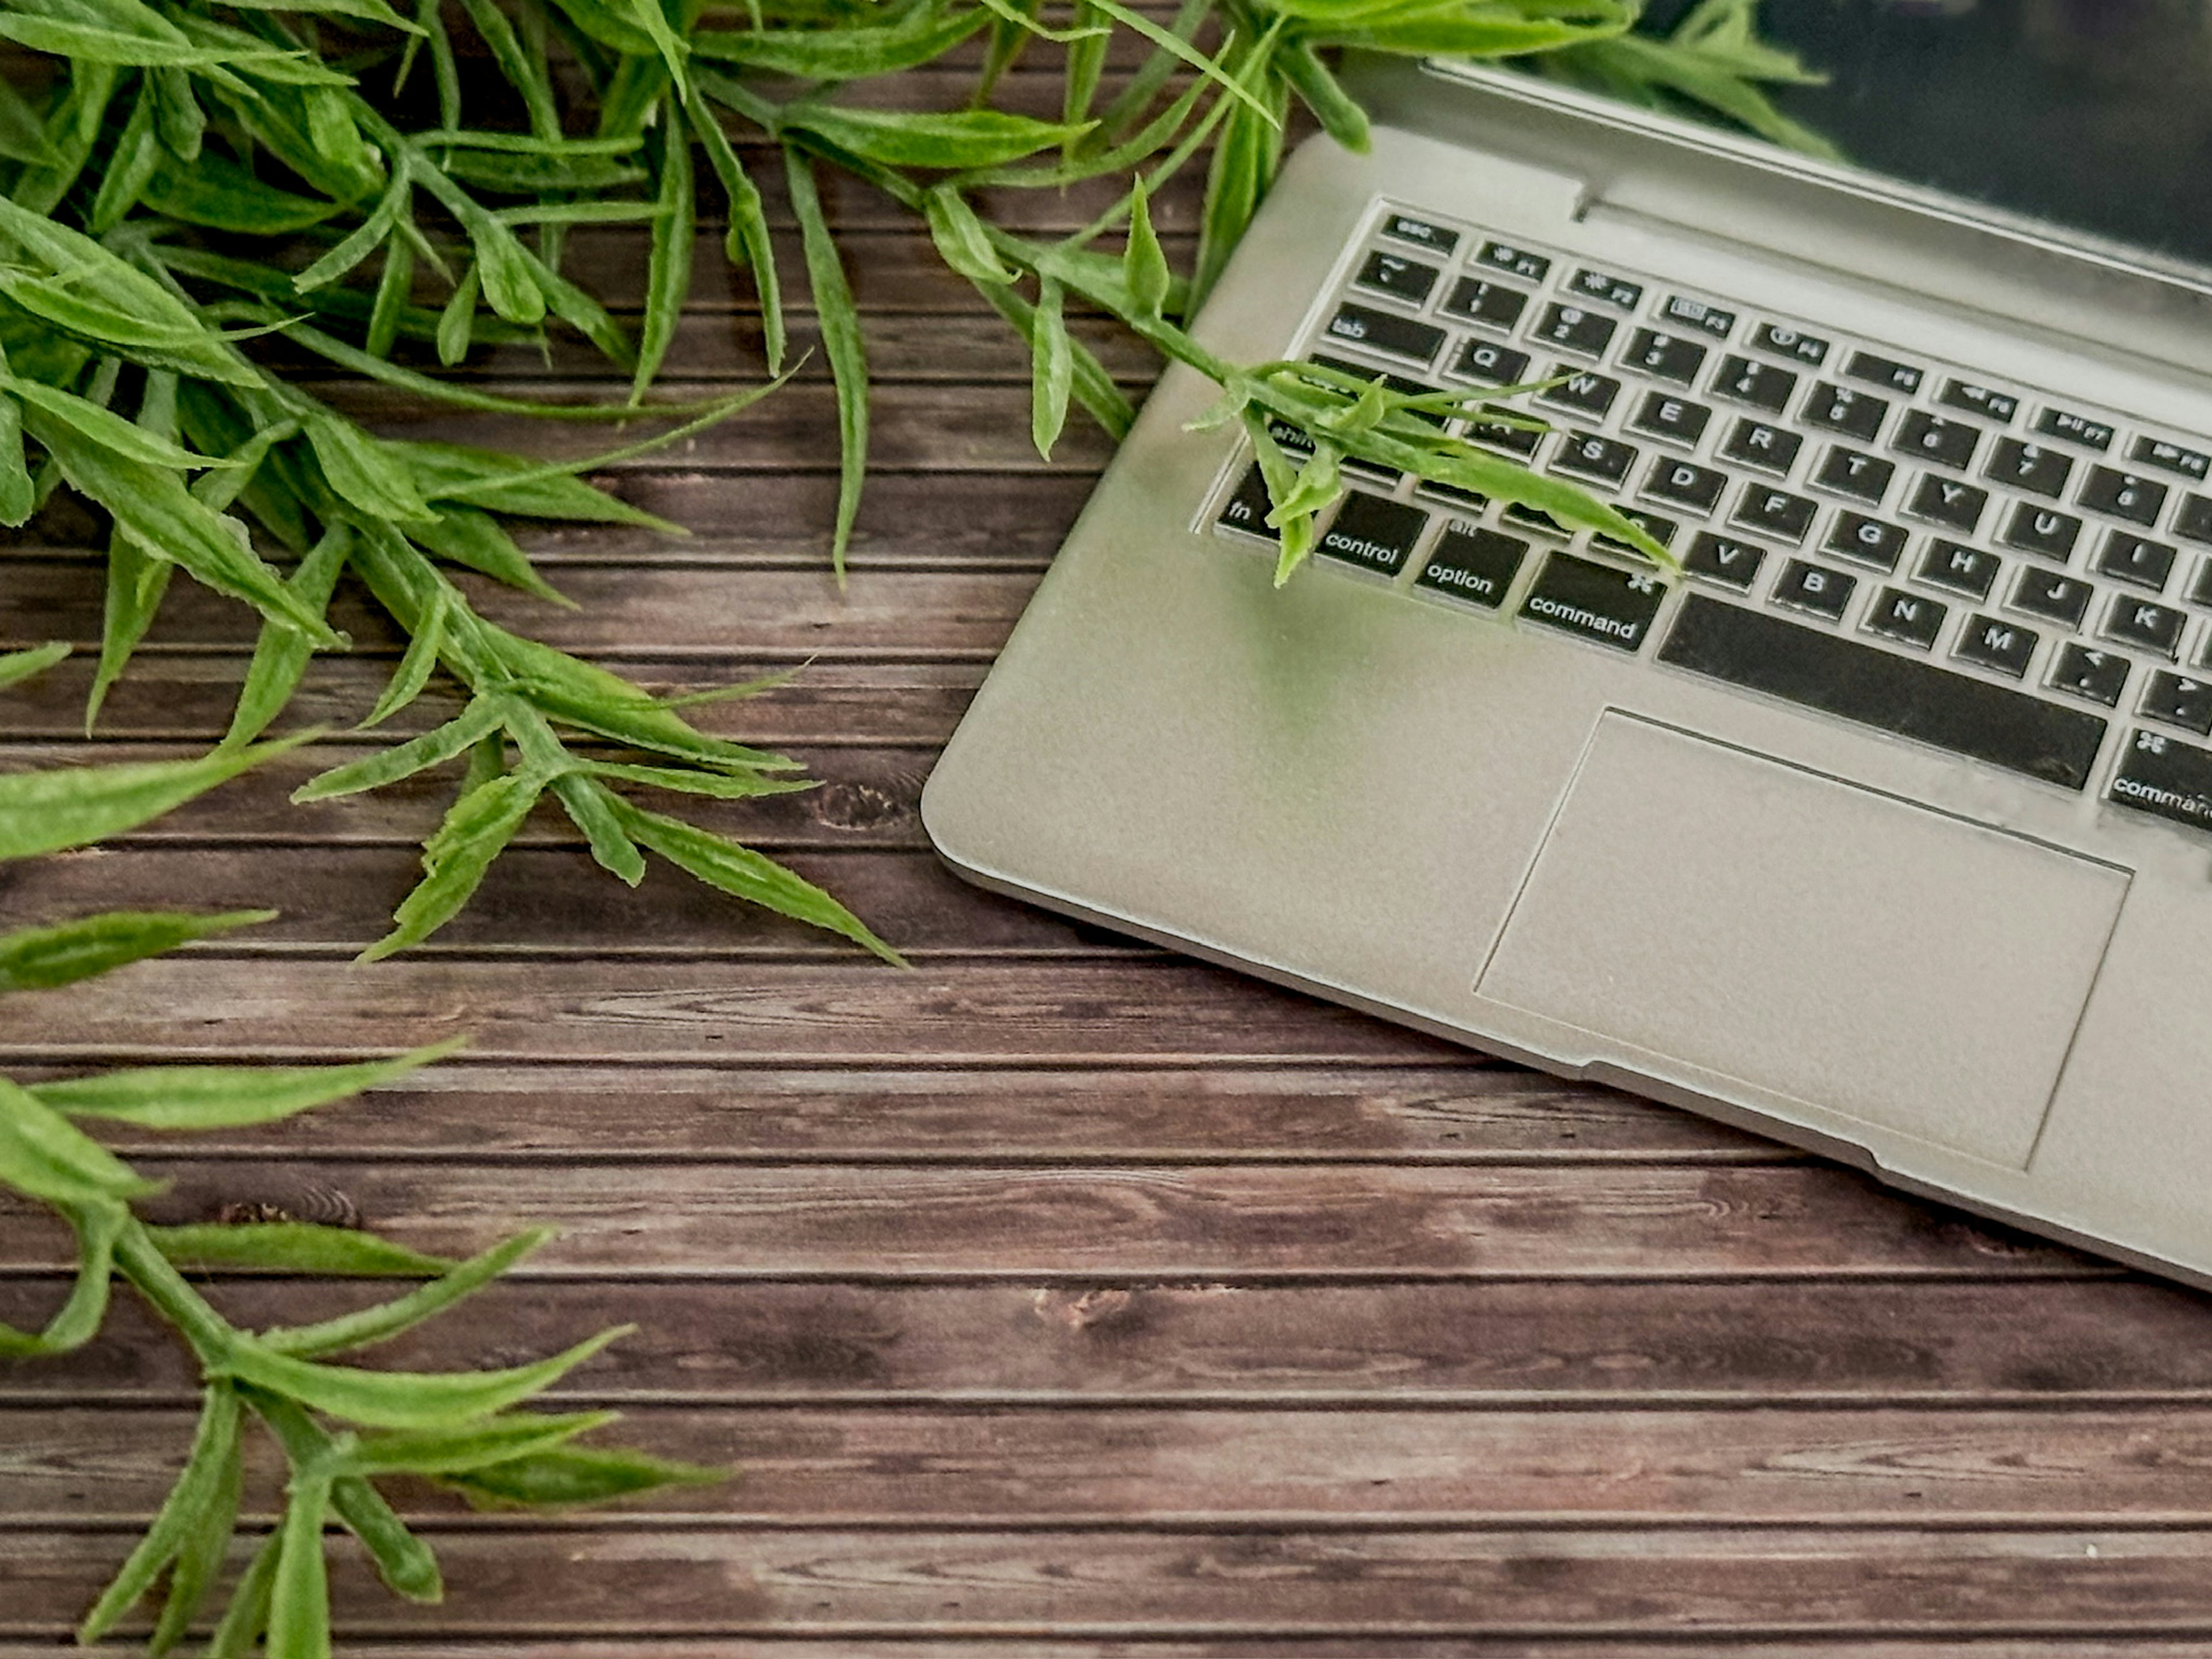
(1594, 601)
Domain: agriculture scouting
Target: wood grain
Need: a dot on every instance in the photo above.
(1060, 1299)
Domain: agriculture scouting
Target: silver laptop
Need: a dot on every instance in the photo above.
(1885, 827)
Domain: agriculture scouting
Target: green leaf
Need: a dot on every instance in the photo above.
(744, 873)
(393, 284)
(19, 496)
(484, 716)
(88, 44)
(463, 536)
(207, 1468)
(227, 1096)
(136, 581)
(668, 271)
(716, 786)
(129, 165)
(1340, 116)
(414, 666)
(961, 240)
(299, 1596)
(76, 1322)
(748, 243)
(402, 1560)
(367, 1326)
(70, 807)
(840, 339)
(364, 242)
(914, 138)
(510, 484)
(104, 426)
(471, 1446)
(402, 1400)
(16, 667)
(247, 1615)
(1052, 369)
(223, 195)
(574, 1476)
(1192, 58)
(199, 1562)
(455, 858)
(590, 808)
(292, 1247)
(153, 507)
(40, 958)
(1144, 263)
(281, 654)
(361, 470)
(41, 1154)
(845, 51)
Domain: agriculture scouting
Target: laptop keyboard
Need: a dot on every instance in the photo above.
(1863, 531)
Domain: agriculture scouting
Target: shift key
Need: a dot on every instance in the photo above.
(2162, 776)
(1596, 601)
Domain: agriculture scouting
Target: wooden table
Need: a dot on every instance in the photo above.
(1058, 1297)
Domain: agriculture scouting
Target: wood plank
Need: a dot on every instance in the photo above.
(1701, 1586)
(1929, 1346)
(864, 797)
(184, 699)
(336, 901)
(1643, 1471)
(1468, 1110)
(1275, 1645)
(996, 1221)
(678, 611)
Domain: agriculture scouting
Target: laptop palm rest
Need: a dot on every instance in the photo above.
(1817, 941)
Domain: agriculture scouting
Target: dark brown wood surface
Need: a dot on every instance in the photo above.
(1058, 1297)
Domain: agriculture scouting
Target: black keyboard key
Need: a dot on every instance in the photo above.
(1247, 510)
(2136, 560)
(1686, 484)
(1995, 643)
(1664, 415)
(2123, 495)
(1581, 390)
(1881, 371)
(1725, 560)
(1853, 472)
(1660, 529)
(1492, 363)
(2045, 593)
(1536, 518)
(1517, 262)
(1519, 441)
(1437, 239)
(1362, 372)
(1385, 476)
(1373, 532)
(2156, 452)
(1999, 406)
(1472, 564)
(1399, 278)
(1785, 341)
(1770, 448)
(1855, 536)
(1776, 512)
(1294, 441)
(1760, 385)
(1576, 328)
(1607, 290)
(2194, 519)
(2166, 777)
(1587, 455)
(1961, 569)
(2140, 623)
(1696, 313)
(1932, 438)
(1491, 304)
(2200, 591)
(1813, 588)
(1472, 500)
(1890, 692)
(2074, 428)
(1378, 331)
(2082, 670)
(1669, 356)
(2178, 700)
(1594, 601)
(1839, 409)
(1913, 619)
(2033, 467)
(1946, 502)
(2041, 530)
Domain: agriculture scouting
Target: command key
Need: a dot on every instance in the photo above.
(2165, 777)
(1596, 601)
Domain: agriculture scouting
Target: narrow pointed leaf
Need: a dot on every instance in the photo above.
(215, 1449)
(482, 717)
(414, 671)
(76, 1322)
(366, 1327)
(454, 859)
(70, 806)
(840, 339)
(403, 1399)
(40, 958)
(574, 1476)
(19, 665)
(281, 654)
(1052, 369)
(590, 808)
(294, 1247)
(299, 1595)
(472, 1446)
(226, 1097)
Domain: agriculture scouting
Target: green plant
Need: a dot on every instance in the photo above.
(341, 1429)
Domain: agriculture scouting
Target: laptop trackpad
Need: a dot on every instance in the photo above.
(1813, 939)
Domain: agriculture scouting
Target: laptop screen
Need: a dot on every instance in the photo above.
(2094, 114)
